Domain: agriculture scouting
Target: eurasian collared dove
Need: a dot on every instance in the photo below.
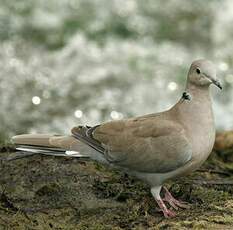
(154, 147)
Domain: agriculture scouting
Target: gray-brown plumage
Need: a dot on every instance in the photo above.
(154, 147)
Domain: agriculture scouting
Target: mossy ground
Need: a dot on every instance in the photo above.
(43, 192)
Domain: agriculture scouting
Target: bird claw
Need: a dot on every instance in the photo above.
(176, 204)
(169, 213)
(171, 203)
(182, 204)
(166, 212)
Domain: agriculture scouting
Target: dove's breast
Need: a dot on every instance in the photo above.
(198, 121)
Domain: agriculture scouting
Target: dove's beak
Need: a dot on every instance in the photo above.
(214, 81)
(217, 83)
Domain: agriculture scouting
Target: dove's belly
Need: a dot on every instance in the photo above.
(155, 179)
(202, 145)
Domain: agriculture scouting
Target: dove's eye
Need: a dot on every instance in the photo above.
(198, 71)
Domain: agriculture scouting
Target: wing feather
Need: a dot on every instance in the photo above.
(143, 144)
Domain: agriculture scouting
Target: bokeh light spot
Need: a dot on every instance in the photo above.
(172, 86)
(78, 113)
(116, 115)
(36, 100)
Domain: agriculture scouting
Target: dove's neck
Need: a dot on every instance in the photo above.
(197, 113)
(198, 93)
(197, 118)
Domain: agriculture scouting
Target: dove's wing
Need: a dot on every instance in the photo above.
(145, 144)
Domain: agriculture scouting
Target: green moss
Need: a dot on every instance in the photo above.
(224, 219)
(56, 193)
(207, 196)
(48, 190)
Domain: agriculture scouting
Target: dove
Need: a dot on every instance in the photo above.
(155, 147)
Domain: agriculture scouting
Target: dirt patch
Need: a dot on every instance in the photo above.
(42, 192)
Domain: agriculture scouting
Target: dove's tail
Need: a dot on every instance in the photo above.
(56, 145)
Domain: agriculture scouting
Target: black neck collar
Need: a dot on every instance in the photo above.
(186, 96)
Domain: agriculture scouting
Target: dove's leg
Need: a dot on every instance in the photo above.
(172, 201)
(156, 194)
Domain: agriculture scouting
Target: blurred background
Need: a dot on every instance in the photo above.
(69, 62)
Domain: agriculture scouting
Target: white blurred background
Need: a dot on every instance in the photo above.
(70, 62)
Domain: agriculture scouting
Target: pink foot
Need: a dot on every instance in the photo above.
(173, 202)
(166, 212)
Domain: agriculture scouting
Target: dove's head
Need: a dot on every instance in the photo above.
(203, 73)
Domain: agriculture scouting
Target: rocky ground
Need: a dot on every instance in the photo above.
(44, 192)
